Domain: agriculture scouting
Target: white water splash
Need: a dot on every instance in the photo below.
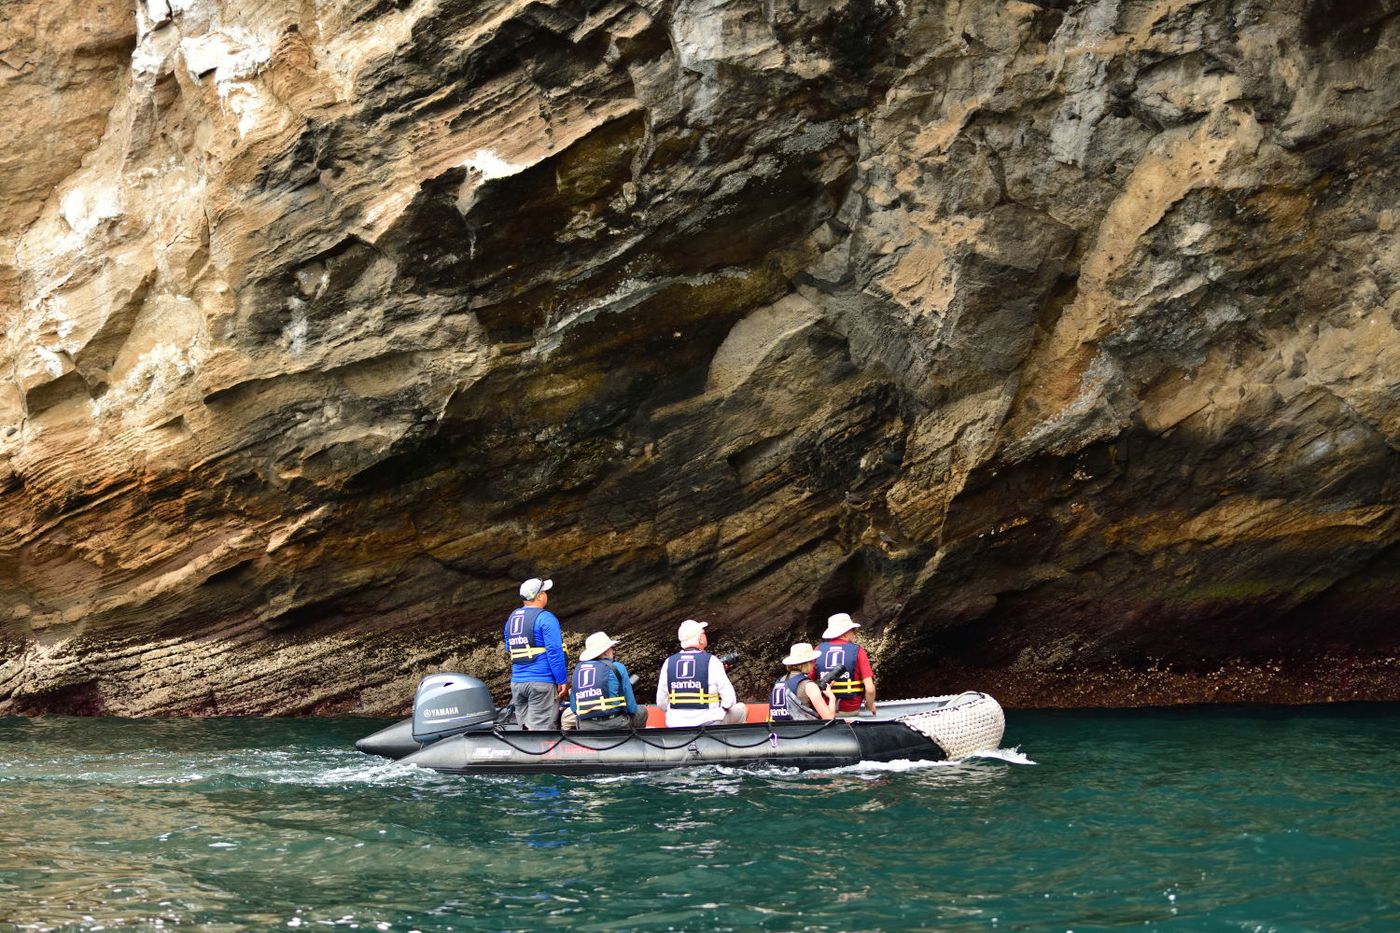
(1009, 755)
(898, 766)
(709, 773)
(1012, 756)
(717, 779)
(377, 773)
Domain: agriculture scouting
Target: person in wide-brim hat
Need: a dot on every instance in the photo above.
(600, 690)
(596, 645)
(795, 695)
(838, 625)
(857, 686)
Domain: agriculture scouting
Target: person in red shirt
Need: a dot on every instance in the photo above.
(857, 686)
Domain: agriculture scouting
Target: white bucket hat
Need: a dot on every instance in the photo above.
(689, 632)
(838, 625)
(597, 644)
(534, 587)
(801, 653)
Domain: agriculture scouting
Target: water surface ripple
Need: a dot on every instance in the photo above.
(1196, 819)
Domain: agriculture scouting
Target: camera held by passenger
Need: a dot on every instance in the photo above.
(835, 673)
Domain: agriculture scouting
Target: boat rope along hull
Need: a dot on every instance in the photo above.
(804, 745)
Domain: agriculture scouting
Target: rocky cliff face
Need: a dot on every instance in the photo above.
(1057, 341)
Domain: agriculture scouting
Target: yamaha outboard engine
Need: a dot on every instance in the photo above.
(447, 704)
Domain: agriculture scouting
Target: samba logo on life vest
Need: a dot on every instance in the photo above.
(834, 656)
(685, 675)
(587, 677)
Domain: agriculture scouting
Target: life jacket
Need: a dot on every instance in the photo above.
(688, 680)
(785, 702)
(831, 656)
(592, 698)
(520, 635)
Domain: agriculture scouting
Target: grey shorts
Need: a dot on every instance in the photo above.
(536, 706)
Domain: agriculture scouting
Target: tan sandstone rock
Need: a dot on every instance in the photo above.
(1057, 341)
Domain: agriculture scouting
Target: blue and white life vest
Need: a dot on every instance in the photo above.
(785, 702)
(520, 635)
(592, 697)
(688, 680)
(831, 656)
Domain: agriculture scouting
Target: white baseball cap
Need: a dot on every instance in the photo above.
(597, 644)
(534, 587)
(801, 653)
(838, 625)
(689, 632)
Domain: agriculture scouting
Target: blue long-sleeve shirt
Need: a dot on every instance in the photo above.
(552, 667)
(619, 682)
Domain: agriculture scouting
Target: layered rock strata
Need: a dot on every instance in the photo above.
(1057, 341)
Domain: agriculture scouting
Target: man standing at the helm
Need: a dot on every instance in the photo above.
(539, 671)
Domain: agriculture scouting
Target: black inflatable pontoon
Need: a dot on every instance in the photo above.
(802, 745)
(394, 741)
(456, 729)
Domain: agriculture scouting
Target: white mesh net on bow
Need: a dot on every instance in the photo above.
(969, 722)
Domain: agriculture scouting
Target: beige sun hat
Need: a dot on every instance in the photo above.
(838, 625)
(597, 644)
(689, 632)
(801, 653)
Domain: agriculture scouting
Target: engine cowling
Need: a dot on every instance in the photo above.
(448, 703)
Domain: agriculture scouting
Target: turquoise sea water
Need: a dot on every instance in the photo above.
(1197, 819)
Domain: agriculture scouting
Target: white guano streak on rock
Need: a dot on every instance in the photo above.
(83, 209)
(485, 163)
(234, 57)
(153, 12)
(488, 165)
(153, 43)
(346, 55)
(155, 373)
(482, 166)
(293, 337)
(62, 326)
(628, 294)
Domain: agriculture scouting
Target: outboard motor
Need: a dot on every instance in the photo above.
(447, 704)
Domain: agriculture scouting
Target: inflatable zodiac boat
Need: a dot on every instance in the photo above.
(456, 729)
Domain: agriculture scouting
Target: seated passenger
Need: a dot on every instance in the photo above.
(601, 695)
(857, 687)
(693, 688)
(796, 695)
